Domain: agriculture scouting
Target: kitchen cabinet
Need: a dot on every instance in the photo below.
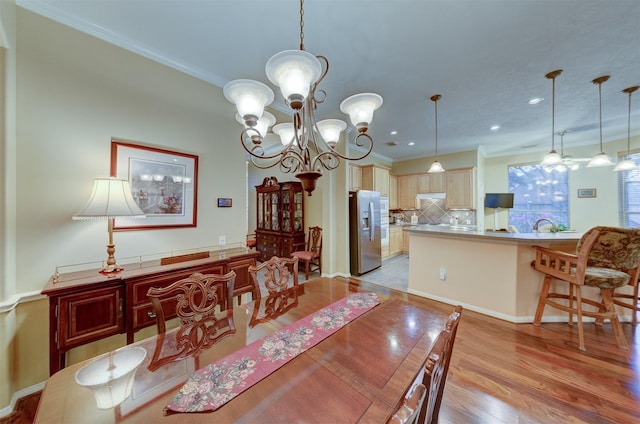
(375, 178)
(405, 242)
(395, 240)
(407, 190)
(280, 218)
(86, 306)
(393, 192)
(460, 191)
(432, 183)
(355, 178)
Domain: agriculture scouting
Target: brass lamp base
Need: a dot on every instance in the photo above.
(112, 268)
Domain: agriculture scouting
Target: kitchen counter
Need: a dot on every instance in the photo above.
(487, 272)
(470, 233)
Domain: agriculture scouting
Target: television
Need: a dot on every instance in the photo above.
(498, 200)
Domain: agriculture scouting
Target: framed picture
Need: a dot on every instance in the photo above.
(586, 192)
(163, 183)
(224, 202)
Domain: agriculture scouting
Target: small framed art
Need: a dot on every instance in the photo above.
(224, 202)
(586, 192)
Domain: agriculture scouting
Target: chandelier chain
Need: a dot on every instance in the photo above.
(301, 24)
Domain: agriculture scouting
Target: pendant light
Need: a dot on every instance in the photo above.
(601, 159)
(552, 158)
(627, 164)
(436, 166)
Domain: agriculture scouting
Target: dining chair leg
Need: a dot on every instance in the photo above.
(634, 310)
(571, 308)
(580, 329)
(544, 293)
(607, 300)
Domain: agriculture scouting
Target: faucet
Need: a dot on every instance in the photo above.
(553, 225)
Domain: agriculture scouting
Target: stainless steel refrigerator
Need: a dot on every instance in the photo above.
(364, 231)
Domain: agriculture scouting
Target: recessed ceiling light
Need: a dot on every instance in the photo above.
(536, 100)
(494, 127)
(394, 132)
(411, 143)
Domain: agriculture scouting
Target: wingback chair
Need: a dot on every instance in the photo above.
(311, 253)
(607, 258)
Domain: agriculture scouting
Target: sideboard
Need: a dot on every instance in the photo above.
(86, 306)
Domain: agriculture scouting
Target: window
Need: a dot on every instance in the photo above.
(629, 192)
(539, 192)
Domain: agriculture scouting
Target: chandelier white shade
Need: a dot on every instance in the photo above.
(250, 98)
(308, 146)
(601, 159)
(294, 71)
(627, 164)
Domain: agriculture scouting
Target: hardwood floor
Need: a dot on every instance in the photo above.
(517, 373)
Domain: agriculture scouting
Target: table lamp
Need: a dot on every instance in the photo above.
(110, 377)
(111, 198)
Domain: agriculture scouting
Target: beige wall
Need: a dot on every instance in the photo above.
(74, 93)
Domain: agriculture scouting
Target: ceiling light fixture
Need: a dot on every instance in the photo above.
(627, 164)
(552, 158)
(309, 146)
(436, 166)
(601, 159)
(536, 100)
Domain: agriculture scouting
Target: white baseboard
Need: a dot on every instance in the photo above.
(20, 394)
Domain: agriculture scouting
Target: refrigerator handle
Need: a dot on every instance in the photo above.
(371, 222)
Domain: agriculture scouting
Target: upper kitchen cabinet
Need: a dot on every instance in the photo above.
(393, 192)
(407, 191)
(460, 185)
(355, 178)
(432, 183)
(375, 178)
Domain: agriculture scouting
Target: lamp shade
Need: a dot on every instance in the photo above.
(435, 168)
(625, 165)
(263, 124)
(110, 377)
(601, 159)
(110, 198)
(360, 108)
(294, 71)
(551, 158)
(250, 97)
(330, 130)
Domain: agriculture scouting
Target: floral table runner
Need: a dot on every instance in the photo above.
(214, 385)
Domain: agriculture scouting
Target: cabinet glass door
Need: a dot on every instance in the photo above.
(286, 210)
(274, 212)
(297, 211)
(260, 223)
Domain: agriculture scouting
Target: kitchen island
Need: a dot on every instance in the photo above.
(487, 272)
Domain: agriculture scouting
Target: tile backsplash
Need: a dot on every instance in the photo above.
(434, 211)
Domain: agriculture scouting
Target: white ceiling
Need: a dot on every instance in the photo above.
(486, 57)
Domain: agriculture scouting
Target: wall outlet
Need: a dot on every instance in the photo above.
(222, 240)
(443, 273)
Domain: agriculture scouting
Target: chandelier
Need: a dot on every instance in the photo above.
(308, 146)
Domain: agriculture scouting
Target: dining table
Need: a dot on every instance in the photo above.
(359, 373)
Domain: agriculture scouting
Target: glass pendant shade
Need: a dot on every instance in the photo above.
(436, 167)
(262, 125)
(625, 165)
(330, 130)
(250, 98)
(601, 159)
(551, 158)
(360, 108)
(294, 71)
(285, 132)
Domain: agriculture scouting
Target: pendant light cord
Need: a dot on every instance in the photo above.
(629, 91)
(552, 76)
(435, 99)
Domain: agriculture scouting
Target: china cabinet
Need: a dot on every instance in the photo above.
(280, 218)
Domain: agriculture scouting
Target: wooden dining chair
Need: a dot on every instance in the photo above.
(204, 307)
(606, 258)
(630, 300)
(411, 406)
(436, 368)
(311, 253)
(274, 275)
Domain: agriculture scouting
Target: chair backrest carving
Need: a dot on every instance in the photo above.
(411, 406)
(196, 297)
(275, 275)
(437, 368)
(314, 241)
